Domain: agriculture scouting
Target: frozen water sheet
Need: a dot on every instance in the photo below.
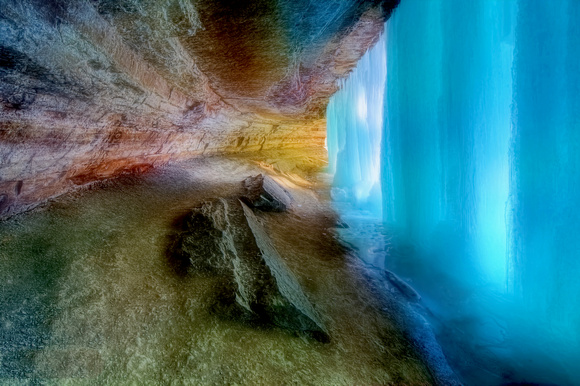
(479, 176)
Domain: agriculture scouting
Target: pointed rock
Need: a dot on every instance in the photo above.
(297, 312)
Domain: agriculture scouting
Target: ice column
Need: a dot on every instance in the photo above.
(354, 127)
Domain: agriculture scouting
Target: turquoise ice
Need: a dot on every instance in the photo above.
(479, 159)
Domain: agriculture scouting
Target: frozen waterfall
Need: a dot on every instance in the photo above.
(355, 123)
(469, 152)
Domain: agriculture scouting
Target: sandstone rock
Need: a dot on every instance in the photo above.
(405, 289)
(200, 245)
(265, 194)
(93, 89)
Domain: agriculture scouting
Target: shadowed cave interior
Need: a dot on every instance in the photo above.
(289, 192)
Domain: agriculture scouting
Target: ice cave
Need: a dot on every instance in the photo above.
(272, 192)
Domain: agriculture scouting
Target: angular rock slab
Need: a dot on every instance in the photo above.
(224, 239)
(287, 283)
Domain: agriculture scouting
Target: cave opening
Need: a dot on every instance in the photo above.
(289, 192)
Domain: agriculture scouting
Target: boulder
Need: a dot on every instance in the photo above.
(404, 288)
(224, 238)
(199, 245)
(265, 194)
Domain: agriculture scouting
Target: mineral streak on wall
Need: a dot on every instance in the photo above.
(480, 156)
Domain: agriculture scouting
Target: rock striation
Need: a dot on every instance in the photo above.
(91, 89)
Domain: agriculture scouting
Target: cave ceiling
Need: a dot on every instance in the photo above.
(93, 88)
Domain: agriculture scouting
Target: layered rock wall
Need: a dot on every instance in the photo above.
(90, 89)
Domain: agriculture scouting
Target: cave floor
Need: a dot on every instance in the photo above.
(89, 294)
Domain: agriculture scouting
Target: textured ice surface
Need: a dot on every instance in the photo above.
(480, 174)
(355, 117)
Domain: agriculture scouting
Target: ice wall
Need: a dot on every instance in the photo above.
(544, 259)
(480, 169)
(354, 121)
(447, 127)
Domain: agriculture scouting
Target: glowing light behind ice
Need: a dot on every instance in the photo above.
(448, 127)
(480, 167)
(355, 120)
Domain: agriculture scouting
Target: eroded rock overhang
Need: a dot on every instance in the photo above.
(90, 89)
